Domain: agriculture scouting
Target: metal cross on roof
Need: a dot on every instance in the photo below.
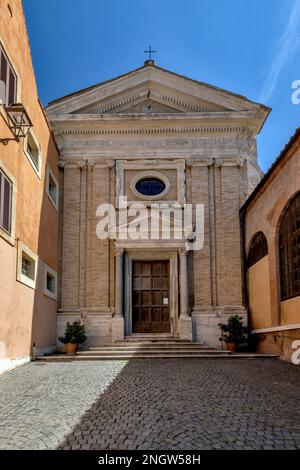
(150, 52)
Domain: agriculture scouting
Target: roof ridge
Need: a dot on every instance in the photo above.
(153, 65)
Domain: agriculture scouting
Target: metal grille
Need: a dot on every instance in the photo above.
(289, 250)
(258, 249)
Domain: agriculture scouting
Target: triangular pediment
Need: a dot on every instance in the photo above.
(147, 106)
(148, 90)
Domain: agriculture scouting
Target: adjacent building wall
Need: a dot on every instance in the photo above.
(27, 315)
(259, 294)
(276, 324)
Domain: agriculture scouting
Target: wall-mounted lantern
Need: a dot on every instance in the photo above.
(18, 122)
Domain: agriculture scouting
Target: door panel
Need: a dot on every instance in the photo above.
(150, 297)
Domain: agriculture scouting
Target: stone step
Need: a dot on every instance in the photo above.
(152, 352)
(152, 347)
(107, 357)
(153, 338)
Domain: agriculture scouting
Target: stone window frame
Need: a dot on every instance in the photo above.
(37, 169)
(29, 282)
(147, 167)
(134, 253)
(49, 173)
(150, 174)
(53, 273)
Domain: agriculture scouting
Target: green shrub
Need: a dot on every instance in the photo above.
(233, 331)
(74, 333)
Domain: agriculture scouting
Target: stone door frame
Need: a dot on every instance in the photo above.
(151, 255)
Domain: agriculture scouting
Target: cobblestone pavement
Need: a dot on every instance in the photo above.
(167, 404)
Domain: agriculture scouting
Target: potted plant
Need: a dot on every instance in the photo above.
(233, 333)
(74, 335)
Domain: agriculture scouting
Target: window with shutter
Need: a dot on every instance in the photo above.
(8, 80)
(11, 89)
(5, 202)
(3, 76)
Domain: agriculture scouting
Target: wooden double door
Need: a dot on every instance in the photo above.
(151, 297)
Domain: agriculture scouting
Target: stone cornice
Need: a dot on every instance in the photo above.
(180, 116)
(241, 131)
(178, 163)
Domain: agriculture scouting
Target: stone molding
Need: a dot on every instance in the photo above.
(149, 166)
(165, 98)
(241, 131)
(118, 251)
(68, 163)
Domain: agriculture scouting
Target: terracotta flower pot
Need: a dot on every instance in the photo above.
(71, 348)
(232, 347)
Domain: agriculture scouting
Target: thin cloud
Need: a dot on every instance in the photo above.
(288, 45)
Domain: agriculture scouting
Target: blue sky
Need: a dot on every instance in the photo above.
(252, 48)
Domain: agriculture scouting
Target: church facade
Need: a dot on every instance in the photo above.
(153, 136)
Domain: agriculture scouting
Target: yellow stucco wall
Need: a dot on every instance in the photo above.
(290, 311)
(259, 294)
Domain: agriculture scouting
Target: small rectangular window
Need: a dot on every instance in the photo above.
(8, 80)
(52, 187)
(33, 152)
(27, 266)
(50, 283)
(5, 202)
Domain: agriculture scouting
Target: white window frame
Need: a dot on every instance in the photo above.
(38, 170)
(47, 292)
(22, 248)
(48, 174)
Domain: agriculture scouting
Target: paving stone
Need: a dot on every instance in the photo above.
(151, 404)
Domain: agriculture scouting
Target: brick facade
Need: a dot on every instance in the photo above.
(209, 158)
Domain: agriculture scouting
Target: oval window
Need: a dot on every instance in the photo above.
(150, 186)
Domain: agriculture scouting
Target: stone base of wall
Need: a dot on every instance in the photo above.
(102, 328)
(98, 325)
(186, 328)
(45, 351)
(277, 342)
(9, 364)
(205, 323)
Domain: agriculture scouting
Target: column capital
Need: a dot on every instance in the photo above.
(200, 161)
(183, 251)
(119, 251)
